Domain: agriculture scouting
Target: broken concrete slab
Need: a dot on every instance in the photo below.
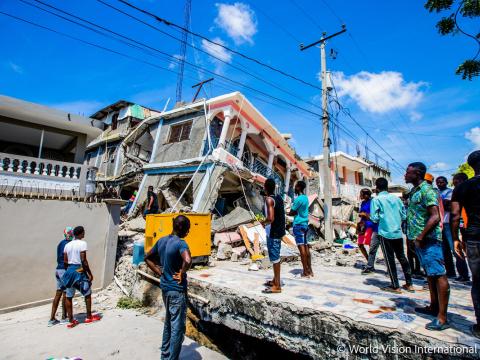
(232, 238)
(232, 220)
(137, 224)
(224, 251)
(240, 251)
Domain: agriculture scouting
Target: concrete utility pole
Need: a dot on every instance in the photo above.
(327, 180)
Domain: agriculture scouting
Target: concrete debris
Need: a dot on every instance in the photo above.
(234, 257)
(240, 251)
(137, 224)
(224, 251)
(231, 238)
(232, 220)
(341, 262)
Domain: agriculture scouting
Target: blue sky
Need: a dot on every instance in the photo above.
(392, 70)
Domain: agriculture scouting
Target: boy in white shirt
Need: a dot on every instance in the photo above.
(78, 275)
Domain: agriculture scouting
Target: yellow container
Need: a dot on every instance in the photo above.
(198, 239)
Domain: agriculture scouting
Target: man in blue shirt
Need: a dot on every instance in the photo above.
(388, 211)
(170, 259)
(299, 210)
(59, 271)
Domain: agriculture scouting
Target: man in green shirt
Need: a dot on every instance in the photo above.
(423, 219)
(300, 227)
(388, 211)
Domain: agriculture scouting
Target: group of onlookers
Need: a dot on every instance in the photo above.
(441, 228)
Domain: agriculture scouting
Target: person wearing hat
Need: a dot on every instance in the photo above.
(59, 271)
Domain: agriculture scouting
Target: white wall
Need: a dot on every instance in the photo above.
(31, 231)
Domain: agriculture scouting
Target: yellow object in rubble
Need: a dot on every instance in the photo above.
(198, 239)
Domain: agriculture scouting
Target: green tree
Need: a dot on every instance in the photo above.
(450, 25)
(467, 169)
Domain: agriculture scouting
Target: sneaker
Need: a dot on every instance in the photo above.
(72, 324)
(475, 330)
(53, 322)
(64, 321)
(462, 279)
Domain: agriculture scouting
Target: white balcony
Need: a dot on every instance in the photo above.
(35, 176)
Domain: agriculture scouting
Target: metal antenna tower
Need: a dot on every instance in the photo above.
(183, 48)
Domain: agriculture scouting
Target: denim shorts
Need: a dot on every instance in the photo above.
(273, 246)
(58, 276)
(300, 234)
(431, 257)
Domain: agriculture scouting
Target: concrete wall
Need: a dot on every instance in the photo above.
(186, 149)
(31, 231)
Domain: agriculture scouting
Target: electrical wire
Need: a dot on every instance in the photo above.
(169, 23)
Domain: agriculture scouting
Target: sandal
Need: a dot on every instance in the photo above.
(435, 325)
(92, 319)
(72, 324)
(268, 283)
(271, 290)
(408, 288)
(392, 289)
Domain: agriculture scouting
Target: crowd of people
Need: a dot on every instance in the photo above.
(439, 226)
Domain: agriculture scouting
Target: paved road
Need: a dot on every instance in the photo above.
(121, 334)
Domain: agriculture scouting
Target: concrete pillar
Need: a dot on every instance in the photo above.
(271, 155)
(241, 145)
(287, 177)
(80, 149)
(226, 125)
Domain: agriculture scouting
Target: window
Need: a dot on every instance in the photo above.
(180, 132)
(114, 121)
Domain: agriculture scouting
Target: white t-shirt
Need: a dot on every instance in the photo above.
(73, 250)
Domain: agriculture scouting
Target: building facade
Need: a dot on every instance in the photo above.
(42, 150)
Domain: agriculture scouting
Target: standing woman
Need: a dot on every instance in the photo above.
(365, 236)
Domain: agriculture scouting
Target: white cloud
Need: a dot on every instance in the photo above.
(415, 116)
(81, 107)
(174, 63)
(238, 21)
(439, 166)
(217, 50)
(379, 92)
(15, 67)
(474, 136)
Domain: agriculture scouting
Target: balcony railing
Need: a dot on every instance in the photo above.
(256, 166)
(39, 175)
(228, 146)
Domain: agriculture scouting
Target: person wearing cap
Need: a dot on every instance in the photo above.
(59, 272)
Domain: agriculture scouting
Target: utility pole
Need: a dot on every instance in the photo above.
(199, 85)
(327, 179)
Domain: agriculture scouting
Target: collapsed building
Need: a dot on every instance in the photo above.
(208, 156)
(123, 147)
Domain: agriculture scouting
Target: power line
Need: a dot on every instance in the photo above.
(169, 23)
(155, 49)
(248, 72)
(307, 15)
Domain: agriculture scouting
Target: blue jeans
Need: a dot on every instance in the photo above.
(174, 329)
(430, 255)
(448, 250)
(300, 234)
(273, 246)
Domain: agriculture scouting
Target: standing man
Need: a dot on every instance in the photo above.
(299, 209)
(369, 226)
(467, 196)
(78, 275)
(423, 220)
(388, 211)
(447, 239)
(152, 202)
(275, 229)
(59, 272)
(170, 259)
